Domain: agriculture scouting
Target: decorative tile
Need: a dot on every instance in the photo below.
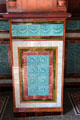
(37, 30)
(36, 69)
(38, 74)
(50, 46)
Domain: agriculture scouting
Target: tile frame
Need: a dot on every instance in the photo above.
(25, 78)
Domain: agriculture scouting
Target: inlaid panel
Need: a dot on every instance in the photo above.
(22, 51)
(38, 73)
(37, 30)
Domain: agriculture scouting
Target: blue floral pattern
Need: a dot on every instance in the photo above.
(38, 75)
(37, 30)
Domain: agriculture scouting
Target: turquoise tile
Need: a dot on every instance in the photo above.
(38, 75)
(37, 30)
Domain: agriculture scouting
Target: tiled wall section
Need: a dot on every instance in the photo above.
(73, 57)
(73, 29)
(72, 51)
(4, 29)
(5, 61)
(4, 25)
(73, 25)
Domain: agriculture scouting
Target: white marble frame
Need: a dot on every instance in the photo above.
(25, 43)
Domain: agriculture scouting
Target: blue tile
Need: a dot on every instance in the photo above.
(37, 30)
(38, 75)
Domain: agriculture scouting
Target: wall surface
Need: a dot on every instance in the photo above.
(5, 60)
(72, 59)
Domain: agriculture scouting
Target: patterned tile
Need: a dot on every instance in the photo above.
(38, 74)
(37, 30)
(57, 47)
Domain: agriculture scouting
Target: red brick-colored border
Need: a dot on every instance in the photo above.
(25, 86)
